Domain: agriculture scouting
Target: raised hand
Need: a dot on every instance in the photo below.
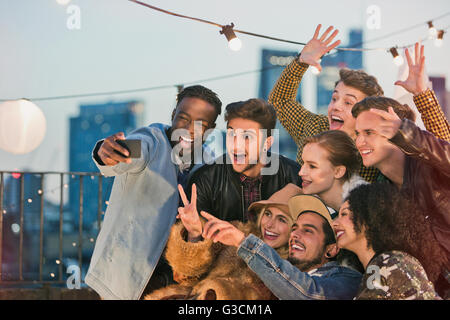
(221, 231)
(317, 47)
(415, 83)
(109, 148)
(189, 215)
(389, 124)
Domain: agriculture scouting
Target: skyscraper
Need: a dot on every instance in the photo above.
(94, 123)
(272, 64)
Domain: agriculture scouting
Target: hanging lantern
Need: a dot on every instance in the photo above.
(22, 126)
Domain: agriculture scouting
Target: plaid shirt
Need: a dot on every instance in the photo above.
(252, 193)
(432, 116)
(301, 123)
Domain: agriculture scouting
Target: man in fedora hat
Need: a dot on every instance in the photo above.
(310, 272)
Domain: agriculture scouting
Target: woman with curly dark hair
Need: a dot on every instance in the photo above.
(396, 247)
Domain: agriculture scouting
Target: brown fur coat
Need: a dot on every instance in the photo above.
(208, 271)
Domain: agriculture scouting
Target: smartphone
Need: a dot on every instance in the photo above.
(132, 145)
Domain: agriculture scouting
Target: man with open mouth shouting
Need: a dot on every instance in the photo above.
(352, 87)
(247, 172)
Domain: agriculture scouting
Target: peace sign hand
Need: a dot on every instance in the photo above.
(189, 215)
(317, 47)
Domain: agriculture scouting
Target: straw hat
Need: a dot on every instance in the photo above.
(308, 203)
(279, 200)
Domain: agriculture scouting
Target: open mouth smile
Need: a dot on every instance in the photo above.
(365, 152)
(270, 235)
(336, 122)
(305, 183)
(239, 158)
(185, 142)
(339, 233)
(296, 246)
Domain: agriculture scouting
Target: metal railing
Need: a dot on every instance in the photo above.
(22, 201)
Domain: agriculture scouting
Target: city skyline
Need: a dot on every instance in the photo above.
(129, 46)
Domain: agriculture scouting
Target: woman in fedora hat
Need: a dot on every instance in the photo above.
(208, 270)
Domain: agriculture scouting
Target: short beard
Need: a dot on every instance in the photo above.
(307, 265)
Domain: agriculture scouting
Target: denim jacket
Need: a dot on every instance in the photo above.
(142, 208)
(331, 281)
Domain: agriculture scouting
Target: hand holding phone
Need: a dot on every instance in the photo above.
(133, 147)
(111, 151)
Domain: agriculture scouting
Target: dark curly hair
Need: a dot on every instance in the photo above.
(392, 222)
(201, 92)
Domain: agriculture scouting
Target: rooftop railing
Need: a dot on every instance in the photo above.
(15, 201)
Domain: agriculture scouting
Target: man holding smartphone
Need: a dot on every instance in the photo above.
(144, 198)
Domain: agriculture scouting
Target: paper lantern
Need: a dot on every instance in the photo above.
(22, 126)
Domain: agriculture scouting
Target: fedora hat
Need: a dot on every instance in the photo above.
(303, 203)
(279, 200)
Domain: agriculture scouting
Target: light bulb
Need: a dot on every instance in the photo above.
(398, 60)
(235, 44)
(432, 32)
(314, 70)
(439, 39)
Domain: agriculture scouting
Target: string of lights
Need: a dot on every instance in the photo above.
(178, 85)
(235, 44)
(38, 193)
(397, 32)
(229, 31)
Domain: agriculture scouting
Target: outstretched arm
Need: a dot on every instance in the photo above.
(295, 118)
(318, 46)
(112, 159)
(221, 231)
(281, 277)
(286, 281)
